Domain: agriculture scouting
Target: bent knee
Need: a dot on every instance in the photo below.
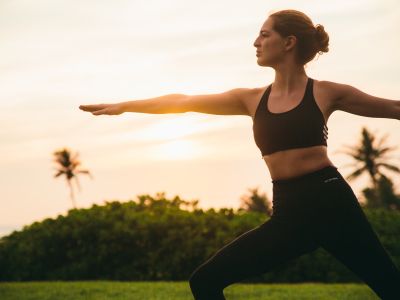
(205, 289)
(203, 281)
(198, 279)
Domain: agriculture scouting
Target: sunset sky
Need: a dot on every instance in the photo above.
(57, 55)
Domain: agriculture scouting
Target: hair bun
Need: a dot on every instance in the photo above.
(322, 38)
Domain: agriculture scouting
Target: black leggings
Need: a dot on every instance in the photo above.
(309, 211)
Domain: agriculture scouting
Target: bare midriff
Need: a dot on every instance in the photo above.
(296, 162)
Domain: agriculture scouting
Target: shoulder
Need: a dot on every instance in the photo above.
(331, 88)
(251, 98)
(249, 94)
(328, 92)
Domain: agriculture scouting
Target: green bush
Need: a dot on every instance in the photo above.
(156, 239)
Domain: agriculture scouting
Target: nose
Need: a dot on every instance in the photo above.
(256, 43)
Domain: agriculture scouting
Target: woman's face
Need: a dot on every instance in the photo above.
(270, 45)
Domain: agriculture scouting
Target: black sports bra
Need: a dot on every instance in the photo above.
(302, 126)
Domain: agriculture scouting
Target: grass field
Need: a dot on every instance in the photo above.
(160, 290)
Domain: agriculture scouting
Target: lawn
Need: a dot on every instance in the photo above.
(160, 290)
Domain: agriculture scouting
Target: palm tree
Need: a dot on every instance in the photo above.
(255, 202)
(370, 158)
(68, 166)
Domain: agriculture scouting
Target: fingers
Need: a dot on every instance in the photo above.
(101, 109)
(99, 112)
(92, 107)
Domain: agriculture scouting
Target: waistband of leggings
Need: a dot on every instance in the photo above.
(328, 170)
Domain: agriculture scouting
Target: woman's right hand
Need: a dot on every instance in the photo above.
(103, 109)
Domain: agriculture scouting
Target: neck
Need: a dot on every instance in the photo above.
(287, 80)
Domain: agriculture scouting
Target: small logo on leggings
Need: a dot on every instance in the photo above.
(330, 179)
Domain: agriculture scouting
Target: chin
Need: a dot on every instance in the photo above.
(262, 63)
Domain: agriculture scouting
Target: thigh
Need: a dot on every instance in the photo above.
(346, 233)
(257, 251)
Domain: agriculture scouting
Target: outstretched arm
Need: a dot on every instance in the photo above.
(232, 102)
(354, 101)
(159, 105)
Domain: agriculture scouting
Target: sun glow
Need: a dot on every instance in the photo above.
(181, 126)
(176, 150)
(183, 137)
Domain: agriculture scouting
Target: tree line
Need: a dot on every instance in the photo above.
(154, 238)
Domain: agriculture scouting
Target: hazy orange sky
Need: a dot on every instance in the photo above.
(56, 55)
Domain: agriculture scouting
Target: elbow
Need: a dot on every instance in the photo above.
(175, 104)
(170, 104)
(180, 104)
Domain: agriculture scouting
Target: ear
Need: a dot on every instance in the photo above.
(290, 42)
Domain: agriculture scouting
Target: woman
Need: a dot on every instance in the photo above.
(313, 205)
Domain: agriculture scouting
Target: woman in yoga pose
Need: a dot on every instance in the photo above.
(313, 205)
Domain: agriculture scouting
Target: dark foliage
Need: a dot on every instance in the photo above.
(155, 239)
